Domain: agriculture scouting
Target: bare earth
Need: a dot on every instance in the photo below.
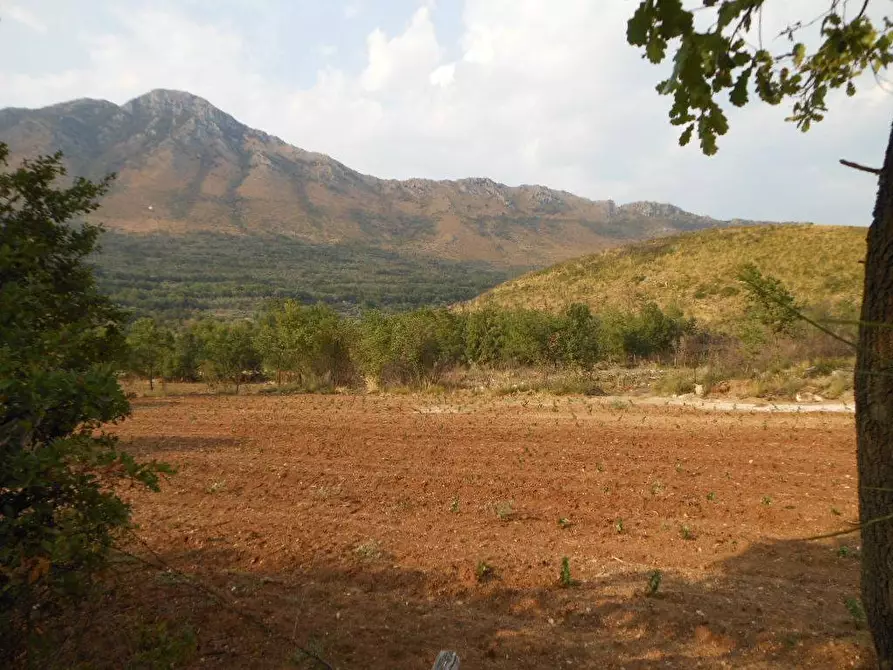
(355, 525)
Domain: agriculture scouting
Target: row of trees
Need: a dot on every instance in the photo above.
(301, 344)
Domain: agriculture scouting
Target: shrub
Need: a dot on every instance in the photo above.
(59, 341)
(676, 382)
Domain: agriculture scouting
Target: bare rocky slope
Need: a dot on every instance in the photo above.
(185, 166)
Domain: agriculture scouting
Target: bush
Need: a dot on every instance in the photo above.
(309, 345)
(228, 353)
(415, 347)
(676, 382)
(59, 340)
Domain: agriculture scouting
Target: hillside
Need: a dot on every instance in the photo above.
(696, 271)
(204, 272)
(208, 214)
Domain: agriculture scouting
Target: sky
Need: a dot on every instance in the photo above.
(521, 91)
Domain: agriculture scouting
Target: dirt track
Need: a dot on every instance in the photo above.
(356, 524)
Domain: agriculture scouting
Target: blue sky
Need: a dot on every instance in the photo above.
(523, 91)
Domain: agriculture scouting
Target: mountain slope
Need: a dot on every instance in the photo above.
(697, 272)
(185, 166)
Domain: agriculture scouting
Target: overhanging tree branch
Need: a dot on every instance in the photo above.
(858, 166)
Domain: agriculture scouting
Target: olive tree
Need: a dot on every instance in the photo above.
(721, 53)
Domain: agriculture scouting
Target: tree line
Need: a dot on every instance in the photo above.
(313, 345)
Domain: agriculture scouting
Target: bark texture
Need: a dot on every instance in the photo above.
(874, 420)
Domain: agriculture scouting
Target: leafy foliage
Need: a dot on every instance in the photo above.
(229, 352)
(305, 342)
(58, 339)
(415, 347)
(184, 276)
(769, 301)
(150, 345)
(726, 57)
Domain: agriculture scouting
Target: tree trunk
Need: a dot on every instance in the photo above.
(874, 420)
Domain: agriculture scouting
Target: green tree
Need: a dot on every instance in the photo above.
(277, 338)
(579, 337)
(719, 54)
(529, 337)
(413, 347)
(484, 334)
(150, 347)
(372, 345)
(59, 338)
(647, 333)
(309, 342)
(229, 352)
(183, 361)
(769, 301)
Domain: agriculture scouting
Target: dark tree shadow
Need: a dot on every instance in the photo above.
(151, 446)
(778, 604)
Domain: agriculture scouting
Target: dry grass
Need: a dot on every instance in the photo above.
(697, 271)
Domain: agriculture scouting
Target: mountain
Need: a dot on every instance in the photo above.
(820, 265)
(185, 166)
(209, 214)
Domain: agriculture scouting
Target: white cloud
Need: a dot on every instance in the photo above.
(405, 60)
(443, 75)
(533, 92)
(23, 16)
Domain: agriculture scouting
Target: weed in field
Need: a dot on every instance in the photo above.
(368, 550)
(454, 505)
(326, 492)
(617, 403)
(835, 511)
(654, 579)
(309, 655)
(484, 571)
(675, 383)
(791, 640)
(656, 488)
(711, 496)
(618, 526)
(169, 577)
(857, 612)
(767, 500)
(216, 487)
(845, 551)
(564, 577)
(686, 532)
(505, 510)
(158, 647)
(564, 522)
(600, 466)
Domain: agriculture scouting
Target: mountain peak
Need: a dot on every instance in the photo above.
(165, 98)
(166, 112)
(161, 101)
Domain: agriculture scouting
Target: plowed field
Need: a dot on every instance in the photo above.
(376, 530)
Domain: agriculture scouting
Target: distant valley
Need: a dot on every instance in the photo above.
(208, 214)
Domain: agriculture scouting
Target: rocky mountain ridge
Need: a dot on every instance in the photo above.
(184, 165)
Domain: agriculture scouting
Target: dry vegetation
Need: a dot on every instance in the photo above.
(820, 265)
(375, 530)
